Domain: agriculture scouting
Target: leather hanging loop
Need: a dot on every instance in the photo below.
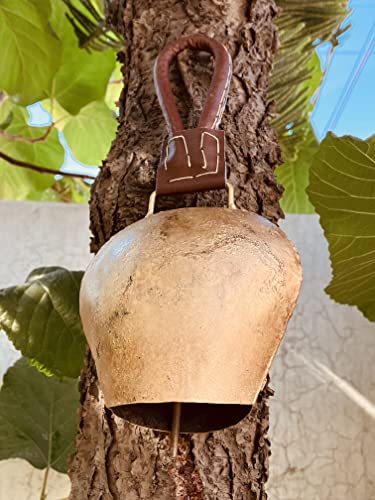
(194, 159)
(219, 87)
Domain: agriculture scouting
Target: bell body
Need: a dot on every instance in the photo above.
(189, 305)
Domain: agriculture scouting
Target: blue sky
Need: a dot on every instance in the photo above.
(346, 103)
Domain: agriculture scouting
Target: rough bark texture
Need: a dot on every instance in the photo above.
(115, 460)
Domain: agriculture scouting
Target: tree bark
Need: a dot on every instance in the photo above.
(116, 460)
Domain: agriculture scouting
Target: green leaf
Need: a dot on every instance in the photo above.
(296, 72)
(40, 367)
(66, 190)
(295, 78)
(47, 195)
(42, 319)
(294, 176)
(90, 133)
(38, 417)
(90, 25)
(72, 190)
(44, 7)
(30, 53)
(17, 183)
(6, 115)
(82, 77)
(59, 114)
(321, 17)
(342, 189)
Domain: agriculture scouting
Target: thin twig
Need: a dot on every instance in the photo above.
(324, 73)
(334, 43)
(42, 170)
(28, 140)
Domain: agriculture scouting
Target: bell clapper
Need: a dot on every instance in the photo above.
(175, 432)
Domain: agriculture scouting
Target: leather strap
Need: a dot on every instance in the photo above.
(194, 159)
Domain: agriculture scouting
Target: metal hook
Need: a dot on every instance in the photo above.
(151, 204)
(228, 185)
(230, 189)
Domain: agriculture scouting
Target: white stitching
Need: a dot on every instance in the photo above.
(204, 156)
(204, 166)
(186, 150)
(224, 96)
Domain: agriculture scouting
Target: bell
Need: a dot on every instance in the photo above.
(184, 310)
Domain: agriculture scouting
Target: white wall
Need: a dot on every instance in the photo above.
(33, 235)
(323, 413)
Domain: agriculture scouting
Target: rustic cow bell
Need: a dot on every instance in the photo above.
(189, 306)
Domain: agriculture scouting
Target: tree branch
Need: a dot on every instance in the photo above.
(28, 140)
(42, 170)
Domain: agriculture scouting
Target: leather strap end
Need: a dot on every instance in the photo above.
(192, 160)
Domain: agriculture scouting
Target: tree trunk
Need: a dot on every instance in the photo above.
(116, 460)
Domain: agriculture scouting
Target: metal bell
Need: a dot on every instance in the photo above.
(189, 306)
